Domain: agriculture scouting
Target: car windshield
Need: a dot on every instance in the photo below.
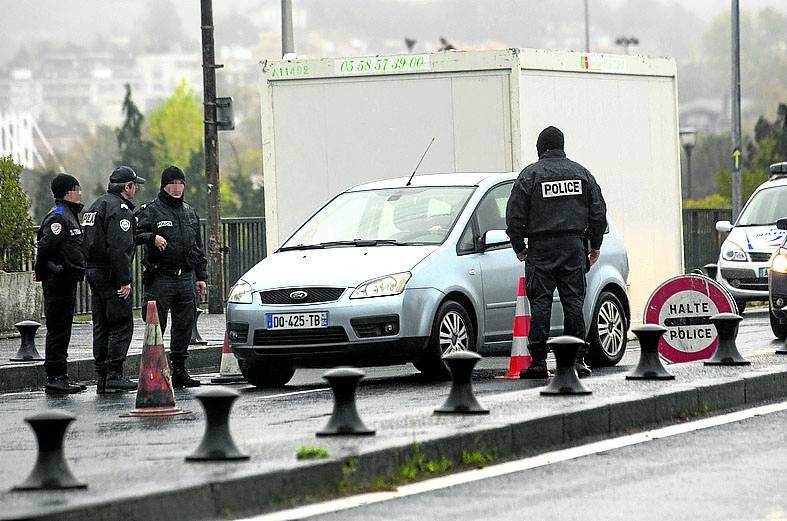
(766, 207)
(394, 216)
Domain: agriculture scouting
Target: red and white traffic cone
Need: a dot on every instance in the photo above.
(229, 371)
(520, 356)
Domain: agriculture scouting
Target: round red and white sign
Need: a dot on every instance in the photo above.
(684, 305)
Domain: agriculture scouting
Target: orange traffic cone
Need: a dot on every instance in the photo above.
(155, 396)
(229, 371)
(520, 356)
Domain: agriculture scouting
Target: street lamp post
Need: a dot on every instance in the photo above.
(688, 139)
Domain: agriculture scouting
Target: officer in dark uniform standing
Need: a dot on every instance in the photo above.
(59, 266)
(109, 232)
(175, 265)
(556, 204)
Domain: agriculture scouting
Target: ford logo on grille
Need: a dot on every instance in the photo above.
(298, 295)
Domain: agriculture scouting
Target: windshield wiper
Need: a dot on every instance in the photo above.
(302, 247)
(363, 242)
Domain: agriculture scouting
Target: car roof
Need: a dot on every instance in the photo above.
(439, 179)
(774, 180)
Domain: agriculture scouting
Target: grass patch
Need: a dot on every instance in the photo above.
(311, 452)
(476, 458)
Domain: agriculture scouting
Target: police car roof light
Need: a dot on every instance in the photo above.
(778, 169)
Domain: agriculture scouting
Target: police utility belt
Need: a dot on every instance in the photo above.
(556, 235)
(172, 272)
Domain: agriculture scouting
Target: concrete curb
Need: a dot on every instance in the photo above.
(570, 422)
(27, 376)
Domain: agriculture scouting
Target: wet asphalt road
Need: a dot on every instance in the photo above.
(732, 472)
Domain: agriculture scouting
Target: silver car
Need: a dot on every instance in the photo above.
(392, 272)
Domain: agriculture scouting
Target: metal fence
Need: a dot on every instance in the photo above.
(701, 241)
(244, 242)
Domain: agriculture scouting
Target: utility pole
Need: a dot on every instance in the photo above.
(737, 196)
(214, 247)
(287, 44)
(587, 29)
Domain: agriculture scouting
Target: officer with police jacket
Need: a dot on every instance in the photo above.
(109, 234)
(557, 205)
(59, 266)
(175, 265)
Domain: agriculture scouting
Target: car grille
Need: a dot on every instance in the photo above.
(755, 285)
(745, 279)
(298, 337)
(757, 256)
(282, 296)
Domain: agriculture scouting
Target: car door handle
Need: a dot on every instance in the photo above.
(471, 272)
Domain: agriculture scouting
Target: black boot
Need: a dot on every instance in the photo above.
(536, 371)
(101, 381)
(117, 383)
(180, 377)
(60, 385)
(82, 386)
(582, 369)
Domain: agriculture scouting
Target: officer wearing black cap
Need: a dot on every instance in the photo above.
(557, 205)
(59, 266)
(175, 265)
(109, 231)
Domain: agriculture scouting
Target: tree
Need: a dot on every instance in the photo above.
(16, 228)
(93, 159)
(135, 151)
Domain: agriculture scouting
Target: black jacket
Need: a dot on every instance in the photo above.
(110, 227)
(178, 223)
(60, 243)
(555, 197)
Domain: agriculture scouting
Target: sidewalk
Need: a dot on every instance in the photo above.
(17, 376)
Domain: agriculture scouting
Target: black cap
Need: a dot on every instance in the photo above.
(172, 173)
(62, 183)
(551, 138)
(125, 174)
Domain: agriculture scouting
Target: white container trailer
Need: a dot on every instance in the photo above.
(331, 123)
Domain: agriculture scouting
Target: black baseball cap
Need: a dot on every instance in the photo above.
(124, 174)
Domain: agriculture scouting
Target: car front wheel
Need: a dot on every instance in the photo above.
(265, 374)
(607, 333)
(778, 326)
(452, 331)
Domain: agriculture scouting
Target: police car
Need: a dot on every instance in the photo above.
(777, 287)
(401, 271)
(745, 254)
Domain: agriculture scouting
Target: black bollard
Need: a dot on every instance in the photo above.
(711, 270)
(649, 366)
(782, 350)
(727, 351)
(217, 443)
(196, 338)
(344, 418)
(565, 380)
(461, 399)
(27, 351)
(51, 470)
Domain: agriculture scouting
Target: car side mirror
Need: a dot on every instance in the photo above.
(782, 223)
(495, 238)
(724, 226)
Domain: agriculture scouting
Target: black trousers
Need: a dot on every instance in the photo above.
(555, 263)
(60, 298)
(113, 321)
(174, 293)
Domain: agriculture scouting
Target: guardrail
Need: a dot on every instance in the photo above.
(701, 241)
(244, 242)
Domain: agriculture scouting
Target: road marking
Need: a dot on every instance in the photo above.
(294, 393)
(515, 466)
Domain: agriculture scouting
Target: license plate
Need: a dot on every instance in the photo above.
(297, 320)
(763, 273)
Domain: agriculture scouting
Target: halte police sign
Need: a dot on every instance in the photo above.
(684, 306)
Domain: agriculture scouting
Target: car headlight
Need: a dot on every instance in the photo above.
(240, 293)
(731, 252)
(382, 286)
(779, 261)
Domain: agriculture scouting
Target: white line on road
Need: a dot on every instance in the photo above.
(515, 466)
(308, 391)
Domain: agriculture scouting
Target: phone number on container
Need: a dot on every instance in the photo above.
(379, 64)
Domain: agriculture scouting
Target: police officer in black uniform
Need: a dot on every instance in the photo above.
(109, 233)
(175, 265)
(59, 266)
(557, 205)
